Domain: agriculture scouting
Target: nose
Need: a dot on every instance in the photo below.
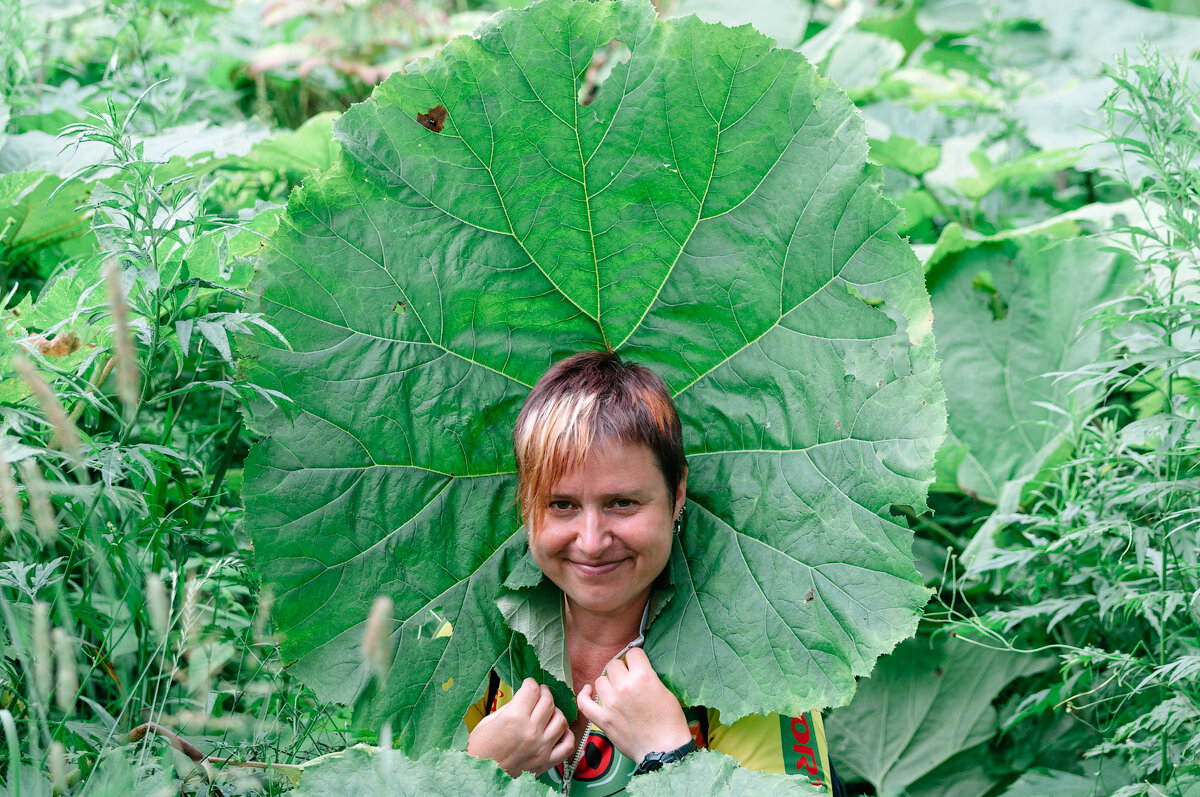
(593, 537)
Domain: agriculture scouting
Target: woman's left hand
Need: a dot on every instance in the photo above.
(636, 711)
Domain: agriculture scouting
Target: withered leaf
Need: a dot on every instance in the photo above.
(60, 345)
(434, 118)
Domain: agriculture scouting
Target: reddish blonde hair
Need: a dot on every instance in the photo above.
(585, 400)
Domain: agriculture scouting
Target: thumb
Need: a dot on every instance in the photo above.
(590, 708)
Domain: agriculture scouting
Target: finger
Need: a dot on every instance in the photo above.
(637, 660)
(605, 690)
(543, 709)
(525, 697)
(564, 747)
(555, 727)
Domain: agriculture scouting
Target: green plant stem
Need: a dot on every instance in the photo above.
(235, 429)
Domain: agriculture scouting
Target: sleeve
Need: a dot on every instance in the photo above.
(775, 743)
(474, 714)
(477, 711)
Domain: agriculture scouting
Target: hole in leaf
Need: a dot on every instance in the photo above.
(604, 60)
(869, 302)
(984, 284)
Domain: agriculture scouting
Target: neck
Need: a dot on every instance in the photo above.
(593, 638)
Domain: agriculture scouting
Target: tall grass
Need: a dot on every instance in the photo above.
(1104, 567)
(132, 616)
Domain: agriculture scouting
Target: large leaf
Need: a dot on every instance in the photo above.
(1010, 316)
(924, 704)
(360, 770)
(35, 214)
(712, 215)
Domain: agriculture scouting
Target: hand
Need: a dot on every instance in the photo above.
(636, 711)
(527, 734)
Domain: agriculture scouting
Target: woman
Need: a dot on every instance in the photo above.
(602, 484)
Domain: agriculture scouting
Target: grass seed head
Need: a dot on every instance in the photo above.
(191, 610)
(67, 683)
(262, 615)
(57, 761)
(157, 606)
(39, 501)
(10, 502)
(65, 434)
(376, 648)
(128, 377)
(43, 661)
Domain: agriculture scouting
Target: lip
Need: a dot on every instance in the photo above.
(596, 568)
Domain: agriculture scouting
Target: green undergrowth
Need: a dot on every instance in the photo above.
(147, 155)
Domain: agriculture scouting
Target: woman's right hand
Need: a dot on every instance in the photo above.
(527, 734)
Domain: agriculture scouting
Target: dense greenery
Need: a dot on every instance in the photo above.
(1048, 170)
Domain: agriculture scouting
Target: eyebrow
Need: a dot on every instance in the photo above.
(632, 492)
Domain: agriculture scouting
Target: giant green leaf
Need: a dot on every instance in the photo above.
(1010, 318)
(924, 704)
(712, 215)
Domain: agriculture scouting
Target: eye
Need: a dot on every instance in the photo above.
(560, 505)
(624, 503)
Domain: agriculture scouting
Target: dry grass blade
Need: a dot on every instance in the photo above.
(128, 378)
(65, 434)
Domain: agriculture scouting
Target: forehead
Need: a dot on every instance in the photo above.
(612, 466)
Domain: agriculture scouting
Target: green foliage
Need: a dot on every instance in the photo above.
(387, 772)
(1104, 562)
(924, 704)
(1009, 320)
(38, 221)
(438, 282)
(124, 591)
(123, 528)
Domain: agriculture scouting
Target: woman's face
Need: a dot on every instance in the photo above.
(605, 531)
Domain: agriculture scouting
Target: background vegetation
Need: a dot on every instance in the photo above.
(1048, 163)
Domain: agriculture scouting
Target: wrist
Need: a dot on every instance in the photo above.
(656, 759)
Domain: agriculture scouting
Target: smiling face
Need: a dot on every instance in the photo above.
(604, 533)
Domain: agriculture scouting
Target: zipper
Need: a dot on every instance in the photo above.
(569, 769)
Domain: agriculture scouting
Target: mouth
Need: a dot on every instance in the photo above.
(596, 568)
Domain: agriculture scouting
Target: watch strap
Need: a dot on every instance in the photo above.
(655, 760)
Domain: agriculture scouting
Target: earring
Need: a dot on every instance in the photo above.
(679, 520)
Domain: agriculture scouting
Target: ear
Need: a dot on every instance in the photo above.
(681, 492)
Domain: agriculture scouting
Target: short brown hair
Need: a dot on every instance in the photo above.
(590, 398)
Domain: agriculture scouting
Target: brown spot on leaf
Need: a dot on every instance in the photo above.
(399, 308)
(812, 593)
(434, 118)
(938, 671)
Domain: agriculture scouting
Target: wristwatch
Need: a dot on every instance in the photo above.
(654, 761)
